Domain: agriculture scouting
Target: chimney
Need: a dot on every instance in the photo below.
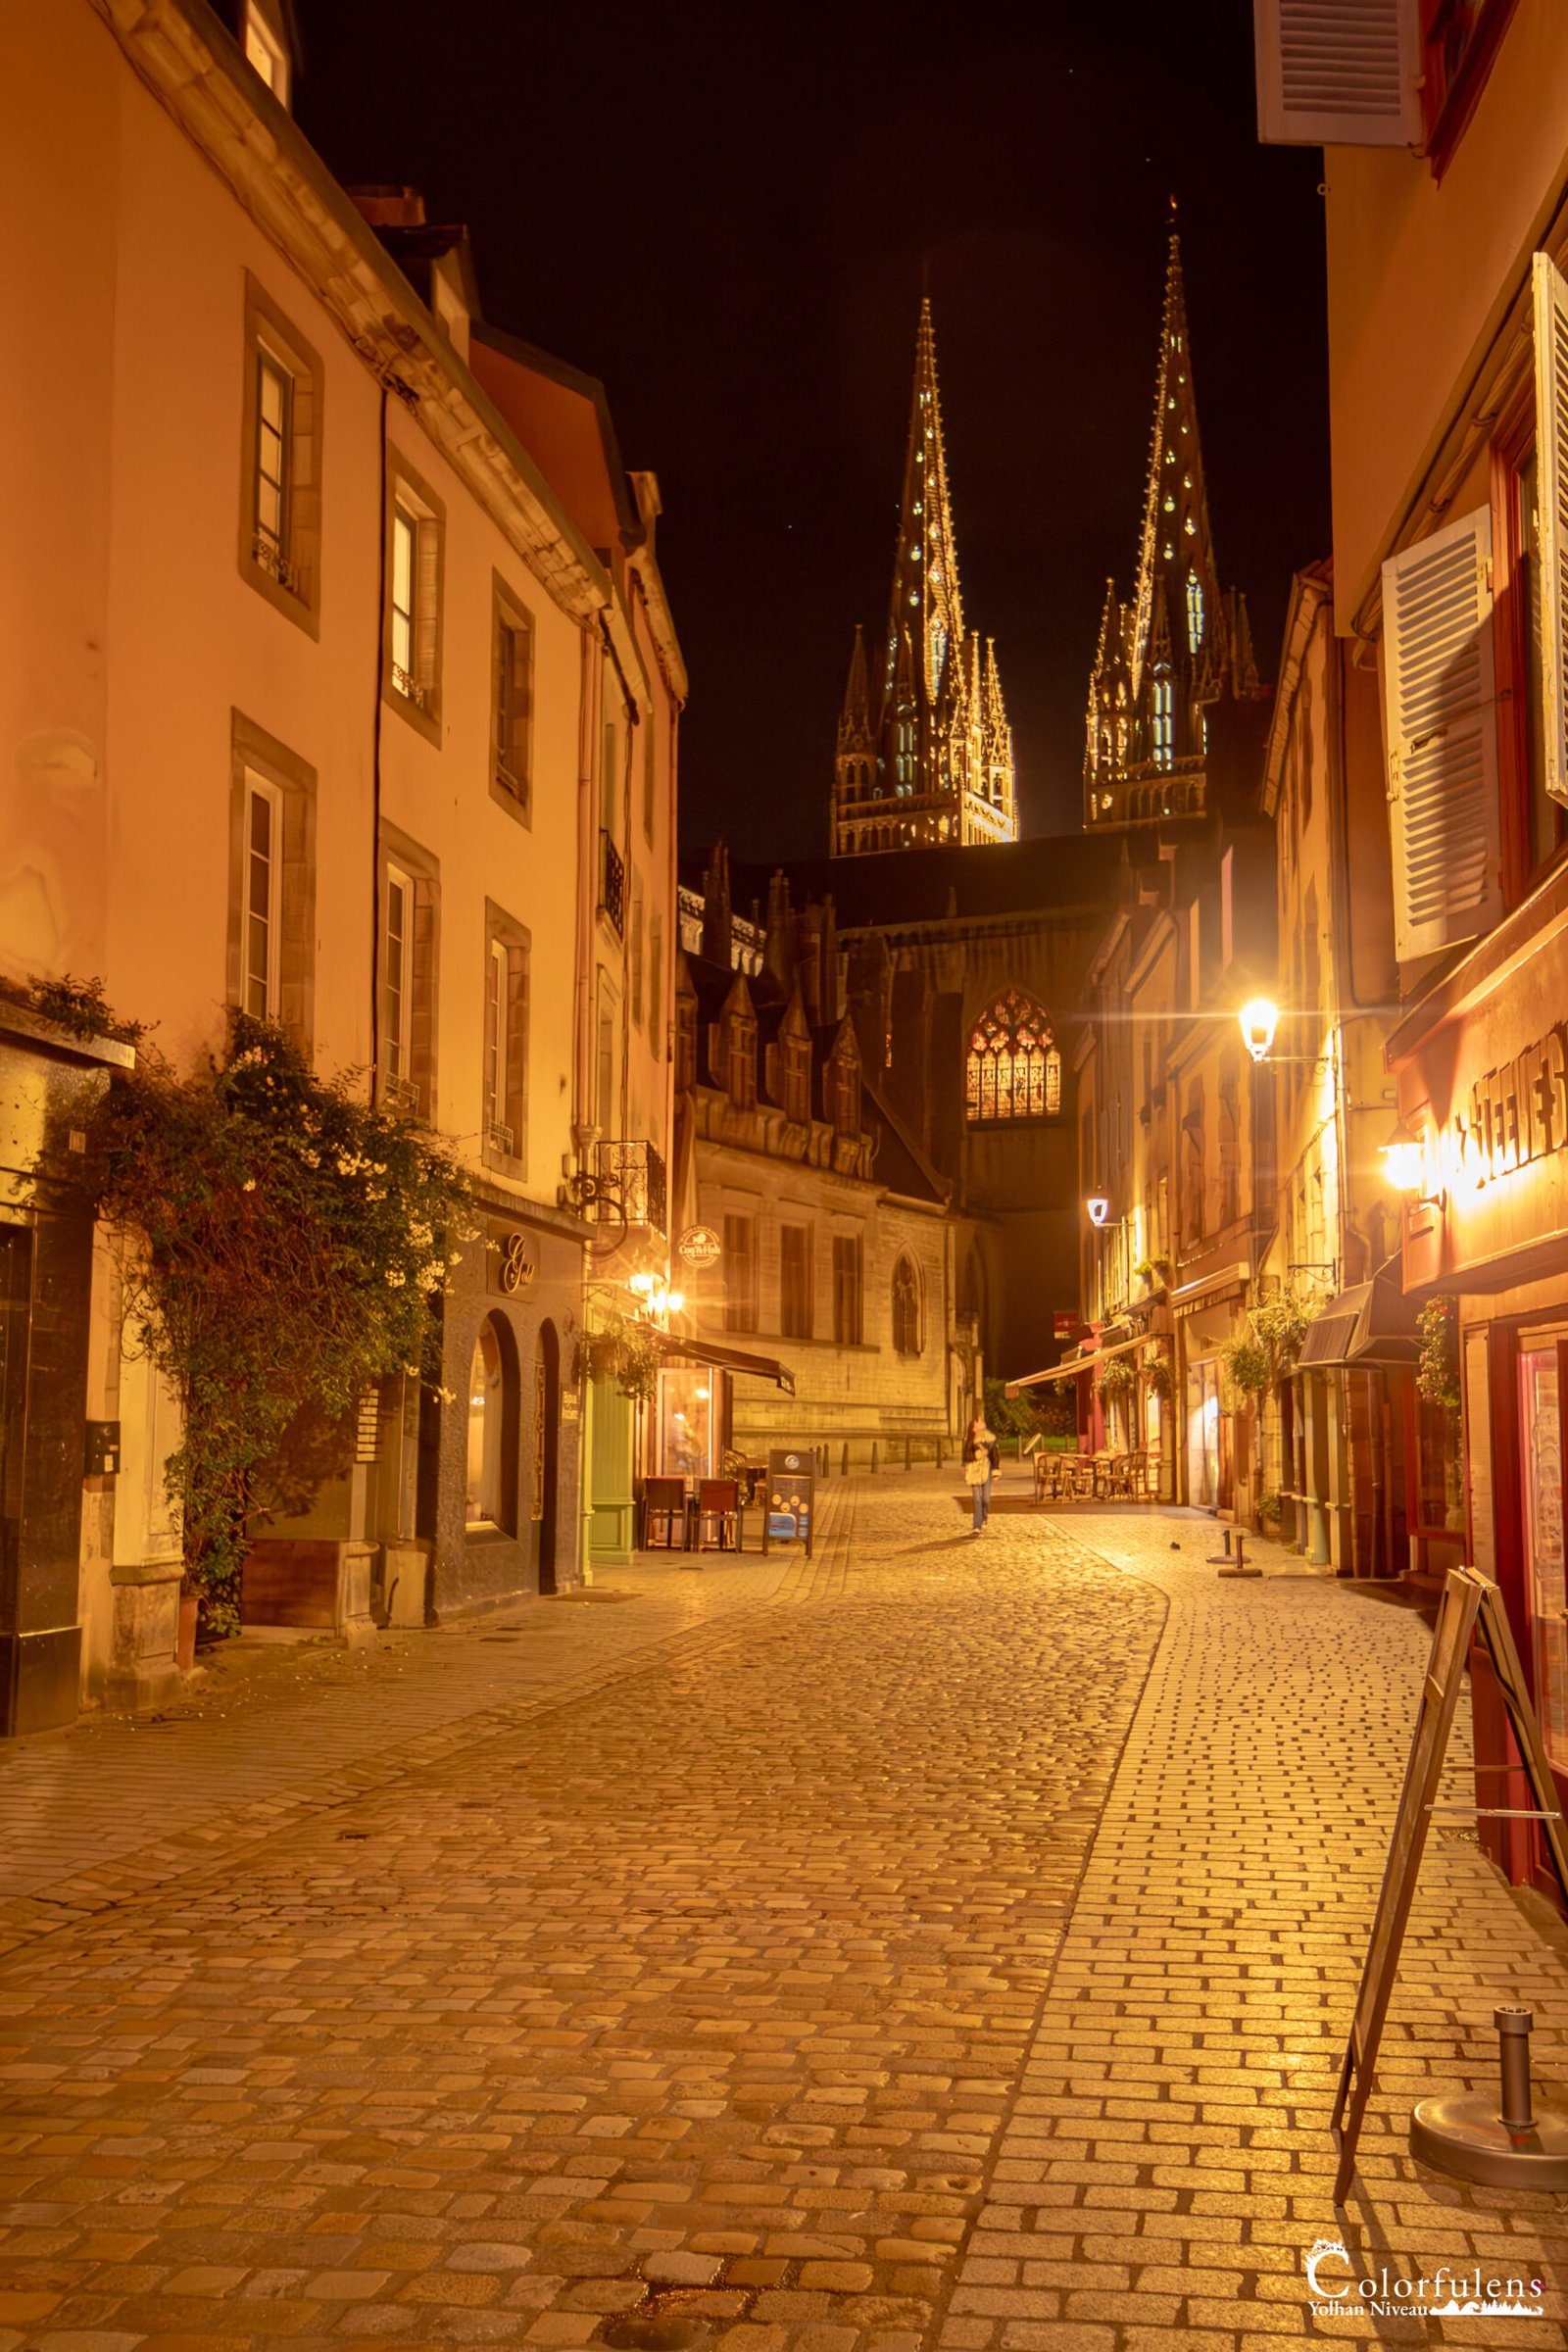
(778, 960)
(718, 932)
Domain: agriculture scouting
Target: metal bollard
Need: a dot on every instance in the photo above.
(1513, 2026)
(905, 1453)
(873, 1458)
(844, 1464)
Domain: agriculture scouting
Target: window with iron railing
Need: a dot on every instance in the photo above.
(611, 883)
(633, 1174)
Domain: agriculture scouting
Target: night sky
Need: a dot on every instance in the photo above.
(725, 214)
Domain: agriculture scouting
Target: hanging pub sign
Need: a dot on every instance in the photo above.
(791, 1496)
(699, 1247)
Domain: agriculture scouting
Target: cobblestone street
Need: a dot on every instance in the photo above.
(941, 1943)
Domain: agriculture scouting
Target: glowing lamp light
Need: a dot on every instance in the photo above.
(1098, 1208)
(673, 1302)
(642, 1284)
(1404, 1160)
(1260, 1018)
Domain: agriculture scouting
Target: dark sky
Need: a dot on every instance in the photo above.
(724, 214)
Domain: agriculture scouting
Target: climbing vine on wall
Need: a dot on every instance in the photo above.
(281, 1248)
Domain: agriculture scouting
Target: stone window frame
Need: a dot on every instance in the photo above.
(906, 1294)
(513, 761)
(423, 870)
(801, 1323)
(253, 751)
(516, 941)
(408, 489)
(267, 329)
(848, 1287)
(742, 1298)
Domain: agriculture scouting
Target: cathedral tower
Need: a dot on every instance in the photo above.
(1178, 647)
(935, 762)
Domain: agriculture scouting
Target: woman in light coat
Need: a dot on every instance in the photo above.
(982, 1458)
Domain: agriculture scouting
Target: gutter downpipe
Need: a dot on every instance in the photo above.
(582, 1006)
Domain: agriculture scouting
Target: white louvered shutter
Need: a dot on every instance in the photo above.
(1551, 498)
(1442, 737)
(1338, 73)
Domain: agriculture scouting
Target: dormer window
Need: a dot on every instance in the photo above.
(798, 1080)
(264, 50)
(844, 1102)
(740, 1036)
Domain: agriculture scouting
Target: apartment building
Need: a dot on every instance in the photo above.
(343, 690)
(1445, 172)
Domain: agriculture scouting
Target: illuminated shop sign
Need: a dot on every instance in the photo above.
(1513, 1114)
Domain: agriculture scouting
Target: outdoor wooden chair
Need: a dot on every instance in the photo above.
(664, 1503)
(718, 1503)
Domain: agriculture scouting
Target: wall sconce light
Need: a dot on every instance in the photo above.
(1099, 1208)
(1258, 1018)
(1404, 1160)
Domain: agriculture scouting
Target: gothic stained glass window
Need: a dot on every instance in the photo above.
(1014, 1070)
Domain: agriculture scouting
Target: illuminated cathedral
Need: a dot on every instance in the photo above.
(934, 762)
(1178, 647)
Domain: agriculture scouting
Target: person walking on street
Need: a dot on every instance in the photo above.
(982, 1456)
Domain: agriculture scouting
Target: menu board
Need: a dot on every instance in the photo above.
(1540, 1434)
(790, 1497)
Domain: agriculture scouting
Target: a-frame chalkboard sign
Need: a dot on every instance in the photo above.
(1470, 1603)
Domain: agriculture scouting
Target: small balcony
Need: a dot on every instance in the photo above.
(397, 1094)
(633, 1175)
(611, 883)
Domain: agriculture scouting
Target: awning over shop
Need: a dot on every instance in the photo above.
(1371, 1323)
(676, 1349)
(1073, 1365)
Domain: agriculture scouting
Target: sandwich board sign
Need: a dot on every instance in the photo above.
(1471, 1604)
(790, 1502)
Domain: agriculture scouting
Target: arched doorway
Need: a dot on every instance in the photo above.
(547, 1450)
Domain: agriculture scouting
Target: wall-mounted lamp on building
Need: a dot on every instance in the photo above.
(1404, 1160)
(1099, 1208)
(1258, 1018)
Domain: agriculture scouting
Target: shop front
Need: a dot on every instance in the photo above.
(1208, 1315)
(695, 1406)
(1482, 1065)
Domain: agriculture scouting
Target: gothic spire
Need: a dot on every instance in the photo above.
(854, 722)
(1175, 547)
(925, 611)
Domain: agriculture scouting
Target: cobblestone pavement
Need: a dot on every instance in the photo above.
(937, 1943)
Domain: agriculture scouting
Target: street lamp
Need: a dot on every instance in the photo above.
(1098, 1208)
(1258, 1018)
(1405, 1159)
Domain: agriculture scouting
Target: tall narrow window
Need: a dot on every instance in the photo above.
(635, 951)
(846, 1096)
(604, 1068)
(280, 461)
(264, 858)
(274, 397)
(1163, 737)
(1194, 611)
(412, 624)
(1014, 1069)
(847, 1319)
(649, 779)
(740, 1273)
(685, 1043)
(655, 982)
(795, 1282)
(512, 702)
(495, 1050)
(397, 986)
(405, 571)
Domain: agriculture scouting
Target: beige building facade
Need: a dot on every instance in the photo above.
(322, 704)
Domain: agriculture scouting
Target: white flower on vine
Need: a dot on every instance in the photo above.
(249, 1185)
(396, 1277)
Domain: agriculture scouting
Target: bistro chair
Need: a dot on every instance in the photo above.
(718, 1500)
(665, 1502)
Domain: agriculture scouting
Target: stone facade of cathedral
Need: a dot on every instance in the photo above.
(972, 983)
(925, 754)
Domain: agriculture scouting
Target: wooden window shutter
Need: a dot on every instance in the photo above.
(1442, 737)
(427, 609)
(1551, 475)
(1338, 73)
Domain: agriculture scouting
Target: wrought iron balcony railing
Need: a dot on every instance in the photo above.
(630, 1183)
(611, 883)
